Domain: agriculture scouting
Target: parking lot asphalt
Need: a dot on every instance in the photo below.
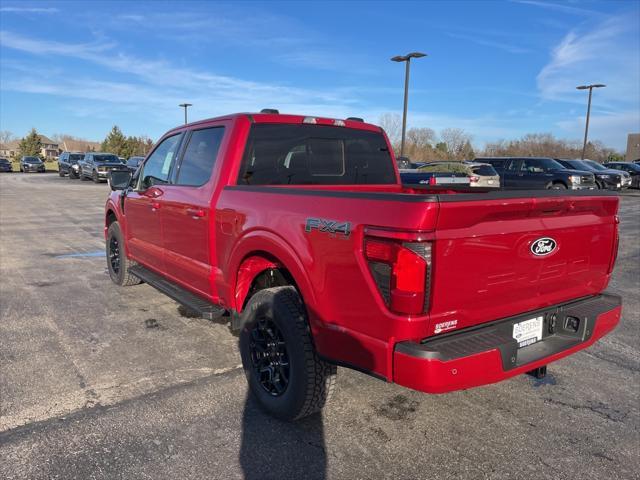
(98, 381)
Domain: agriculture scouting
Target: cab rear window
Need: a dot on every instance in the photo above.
(279, 154)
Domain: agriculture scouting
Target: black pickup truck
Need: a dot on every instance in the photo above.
(534, 173)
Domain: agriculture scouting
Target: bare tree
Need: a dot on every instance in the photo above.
(391, 123)
(458, 142)
(6, 136)
(546, 145)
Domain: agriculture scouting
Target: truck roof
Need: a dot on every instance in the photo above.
(286, 118)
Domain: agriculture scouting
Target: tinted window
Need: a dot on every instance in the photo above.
(486, 170)
(538, 165)
(73, 158)
(199, 156)
(497, 163)
(157, 167)
(134, 161)
(31, 160)
(595, 165)
(315, 155)
(515, 165)
(106, 158)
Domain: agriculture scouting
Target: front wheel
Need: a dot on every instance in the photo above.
(94, 177)
(117, 261)
(558, 186)
(285, 374)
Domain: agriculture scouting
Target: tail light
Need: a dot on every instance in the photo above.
(401, 271)
(474, 179)
(616, 244)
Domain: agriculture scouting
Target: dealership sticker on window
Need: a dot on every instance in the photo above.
(167, 163)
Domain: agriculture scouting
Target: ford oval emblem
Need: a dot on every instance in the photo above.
(543, 246)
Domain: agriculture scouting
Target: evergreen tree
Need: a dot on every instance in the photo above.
(31, 145)
(115, 142)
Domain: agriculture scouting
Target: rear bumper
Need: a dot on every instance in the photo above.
(488, 354)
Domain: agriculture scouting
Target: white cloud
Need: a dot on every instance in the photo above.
(611, 129)
(28, 10)
(507, 46)
(607, 53)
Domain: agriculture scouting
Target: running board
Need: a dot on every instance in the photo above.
(191, 301)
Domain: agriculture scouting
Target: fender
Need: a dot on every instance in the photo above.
(248, 271)
(281, 253)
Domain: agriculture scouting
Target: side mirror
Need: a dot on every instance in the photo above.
(119, 179)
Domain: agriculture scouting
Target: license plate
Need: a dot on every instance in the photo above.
(528, 332)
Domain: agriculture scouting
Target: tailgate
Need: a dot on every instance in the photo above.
(503, 256)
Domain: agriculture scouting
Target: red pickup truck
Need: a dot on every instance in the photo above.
(299, 229)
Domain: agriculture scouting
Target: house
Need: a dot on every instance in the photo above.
(49, 149)
(633, 147)
(9, 149)
(75, 145)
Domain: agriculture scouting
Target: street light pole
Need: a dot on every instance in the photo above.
(407, 59)
(185, 106)
(586, 127)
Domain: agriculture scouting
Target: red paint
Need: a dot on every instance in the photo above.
(214, 241)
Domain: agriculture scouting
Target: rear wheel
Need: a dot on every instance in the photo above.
(117, 261)
(60, 172)
(284, 372)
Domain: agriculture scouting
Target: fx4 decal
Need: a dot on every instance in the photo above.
(332, 227)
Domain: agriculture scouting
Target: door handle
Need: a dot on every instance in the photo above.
(195, 213)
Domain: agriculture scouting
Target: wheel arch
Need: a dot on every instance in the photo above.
(260, 253)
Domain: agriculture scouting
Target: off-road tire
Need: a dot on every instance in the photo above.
(122, 277)
(311, 380)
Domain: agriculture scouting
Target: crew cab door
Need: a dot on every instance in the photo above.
(535, 175)
(143, 204)
(87, 165)
(186, 214)
(512, 174)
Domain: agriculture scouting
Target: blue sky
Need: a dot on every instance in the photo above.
(497, 69)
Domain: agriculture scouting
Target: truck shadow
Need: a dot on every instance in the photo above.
(275, 450)
(272, 449)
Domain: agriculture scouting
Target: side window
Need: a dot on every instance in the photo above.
(157, 167)
(497, 164)
(515, 165)
(533, 165)
(200, 156)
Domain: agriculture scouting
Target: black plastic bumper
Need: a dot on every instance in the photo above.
(557, 334)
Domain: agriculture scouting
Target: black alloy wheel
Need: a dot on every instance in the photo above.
(269, 357)
(114, 255)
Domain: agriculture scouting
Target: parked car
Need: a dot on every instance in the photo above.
(633, 169)
(483, 175)
(533, 173)
(134, 162)
(5, 165)
(301, 232)
(68, 164)
(438, 174)
(31, 164)
(96, 165)
(605, 177)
